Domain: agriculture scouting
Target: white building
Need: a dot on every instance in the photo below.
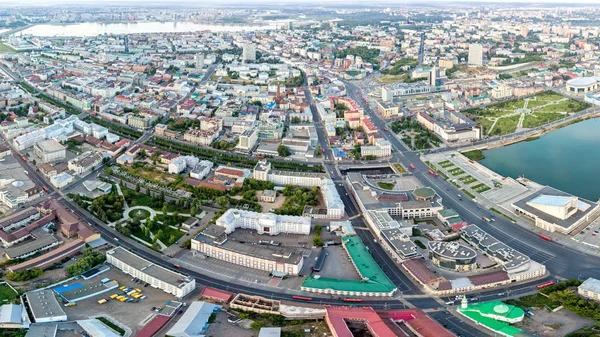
(49, 150)
(590, 288)
(262, 171)
(194, 321)
(333, 202)
(249, 52)
(264, 223)
(248, 139)
(61, 180)
(475, 54)
(201, 170)
(85, 162)
(27, 140)
(177, 165)
(381, 148)
(157, 276)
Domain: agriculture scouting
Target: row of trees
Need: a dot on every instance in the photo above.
(24, 275)
(90, 259)
(119, 129)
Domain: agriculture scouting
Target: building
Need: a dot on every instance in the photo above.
(556, 211)
(263, 171)
(201, 170)
(263, 223)
(590, 288)
(381, 148)
(248, 139)
(49, 150)
(85, 162)
(214, 242)
(582, 85)
(495, 316)
(475, 55)
(158, 277)
(268, 196)
(373, 280)
(269, 332)
(339, 318)
(194, 321)
(248, 52)
(27, 140)
(44, 306)
(177, 165)
(13, 316)
(61, 180)
(451, 126)
(453, 256)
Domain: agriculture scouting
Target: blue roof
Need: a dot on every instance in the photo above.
(551, 200)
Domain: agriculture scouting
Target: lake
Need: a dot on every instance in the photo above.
(567, 159)
(95, 28)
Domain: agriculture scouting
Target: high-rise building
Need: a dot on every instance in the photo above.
(249, 52)
(199, 60)
(475, 55)
(433, 76)
(126, 44)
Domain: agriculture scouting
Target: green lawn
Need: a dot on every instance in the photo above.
(456, 172)
(139, 214)
(8, 295)
(537, 119)
(505, 126)
(468, 193)
(111, 325)
(480, 188)
(468, 180)
(445, 163)
(5, 49)
(400, 168)
(569, 105)
(475, 155)
(386, 186)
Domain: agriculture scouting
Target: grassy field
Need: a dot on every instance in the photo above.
(387, 79)
(456, 172)
(468, 193)
(537, 119)
(475, 155)
(5, 49)
(480, 188)
(8, 295)
(468, 180)
(385, 186)
(445, 164)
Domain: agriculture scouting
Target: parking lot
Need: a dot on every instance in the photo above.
(589, 236)
(132, 315)
(337, 265)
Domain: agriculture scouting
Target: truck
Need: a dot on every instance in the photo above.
(102, 301)
(123, 299)
(122, 288)
(113, 296)
(138, 290)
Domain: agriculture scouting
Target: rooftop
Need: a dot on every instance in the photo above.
(148, 267)
(453, 250)
(591, 285)
(338, 316)
(44, 304)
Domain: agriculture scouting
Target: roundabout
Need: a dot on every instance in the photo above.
(139, 214)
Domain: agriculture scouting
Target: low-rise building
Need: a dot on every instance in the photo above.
(590, 288)
(85, 162)
(158, 277)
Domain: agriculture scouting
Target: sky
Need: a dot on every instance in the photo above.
(197, 2)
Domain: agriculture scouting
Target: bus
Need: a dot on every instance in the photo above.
(302, 298)
(412, 167)
(547, 238)
(486, 219)
(352, 299)
(432, 173)
(544, 285)
(45, 188)
(176, 265)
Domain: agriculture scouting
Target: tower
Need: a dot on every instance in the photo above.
(433, 76)
(249, 52)
(126, 44)
(475, 55)
(199, 60)
(463, 303)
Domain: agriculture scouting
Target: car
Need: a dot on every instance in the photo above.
(582, 232)
(594, 234)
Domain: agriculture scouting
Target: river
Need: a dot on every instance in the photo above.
(567, 159)
(95, 28)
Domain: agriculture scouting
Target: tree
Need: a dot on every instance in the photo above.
(137, 187)
(283, 150)
(193, 210)
(165, 209)
(222, 201)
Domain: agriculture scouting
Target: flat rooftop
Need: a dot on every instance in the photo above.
(44, 304)
(158, 272)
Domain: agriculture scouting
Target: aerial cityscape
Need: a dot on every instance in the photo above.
(262, 169)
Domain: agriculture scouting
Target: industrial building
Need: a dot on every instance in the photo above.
(194, 321)
(157, 276)
(44, 306)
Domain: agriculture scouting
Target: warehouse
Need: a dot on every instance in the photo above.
(157, 276)
(44, 306)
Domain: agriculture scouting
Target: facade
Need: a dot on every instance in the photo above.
(158, 277)
(248, 139)
(49, 150)
(177, 165)
(583, 85)
(213, 243)
(248, 52)
(200, 137)
(263, 171)
(263, 223)
(590, 288)
(381, 148)
(27, 140)
(475, 55)
(85, 162)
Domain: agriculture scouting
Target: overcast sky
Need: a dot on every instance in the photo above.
(232, 2)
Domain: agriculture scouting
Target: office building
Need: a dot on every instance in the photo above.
(475, 55)
(248, 52)
(264, 223)
(248, 139)
(199, 61)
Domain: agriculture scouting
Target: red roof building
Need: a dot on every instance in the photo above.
(336, 318)
(152, 328)
(419, 323)
(216, 294)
